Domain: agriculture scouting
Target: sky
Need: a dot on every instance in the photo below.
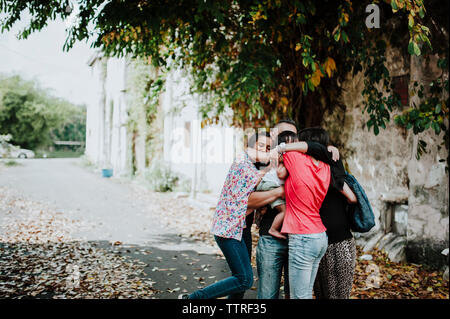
(41, 57)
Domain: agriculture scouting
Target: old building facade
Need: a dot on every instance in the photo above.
(200, 154)
(409, 196)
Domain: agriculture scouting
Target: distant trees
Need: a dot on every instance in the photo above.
(34, 118)
(267, 59)
(72, 126)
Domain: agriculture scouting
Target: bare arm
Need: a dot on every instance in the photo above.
(347, 192)
(260, 199)
(303, 147)
(282, 172)
(297, 146)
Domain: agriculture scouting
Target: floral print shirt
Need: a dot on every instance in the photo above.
(229, 216)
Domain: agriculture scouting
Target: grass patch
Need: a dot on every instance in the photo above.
(60, 154)
(11, 163)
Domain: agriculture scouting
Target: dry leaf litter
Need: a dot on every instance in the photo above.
(40, 258)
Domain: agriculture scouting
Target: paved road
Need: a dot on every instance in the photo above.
(110, 204)
(118, 215)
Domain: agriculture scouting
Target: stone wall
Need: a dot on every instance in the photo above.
(409, 197)
(428, 224)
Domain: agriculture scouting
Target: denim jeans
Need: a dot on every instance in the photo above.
(305, 252)
(247, 238)
(271, 258)
(236, 255)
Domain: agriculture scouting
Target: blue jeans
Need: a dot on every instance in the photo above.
(305, 252)
(247, 238)
(271, 258)
(236, 255)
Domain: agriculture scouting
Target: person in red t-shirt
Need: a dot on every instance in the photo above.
(305, 189)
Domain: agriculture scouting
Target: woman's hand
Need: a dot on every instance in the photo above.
(334, 152)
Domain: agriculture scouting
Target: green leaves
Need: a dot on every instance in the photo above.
(337, 36)
(34, 118)
(419, 34)
(435, 126)
(430, 112)
(394, 5)
(438, 108)
(379, 101)
(413, 48)
(410, 21)
(251, 56)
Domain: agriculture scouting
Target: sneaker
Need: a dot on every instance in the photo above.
(183, 296)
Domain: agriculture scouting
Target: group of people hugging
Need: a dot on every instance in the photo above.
(292, 186)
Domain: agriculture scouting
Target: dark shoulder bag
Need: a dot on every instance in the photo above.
(362, 218)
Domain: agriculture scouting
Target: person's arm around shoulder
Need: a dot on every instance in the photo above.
(318, 151)
(296, 146)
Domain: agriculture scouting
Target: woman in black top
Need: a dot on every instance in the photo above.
(335, 275)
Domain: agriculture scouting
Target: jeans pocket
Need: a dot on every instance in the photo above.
(315, 236)
(316, 245)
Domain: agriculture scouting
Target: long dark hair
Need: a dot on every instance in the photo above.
(287, 137)
(315, 134)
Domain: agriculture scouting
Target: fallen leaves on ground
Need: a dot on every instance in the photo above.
(69, 270)
(381, 278)
(23, 220)
(395, 280)
(40, 258)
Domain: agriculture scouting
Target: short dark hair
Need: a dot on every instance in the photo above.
(287, 137)
(254, 138)
(315, 134)
(288, 121)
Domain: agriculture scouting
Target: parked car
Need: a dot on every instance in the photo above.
(13, 151)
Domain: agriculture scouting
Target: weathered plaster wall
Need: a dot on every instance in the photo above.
(107, 137)
(428, 223)
(409, 197)
(204, 155)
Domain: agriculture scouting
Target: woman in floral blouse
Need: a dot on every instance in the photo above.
(229, 220)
